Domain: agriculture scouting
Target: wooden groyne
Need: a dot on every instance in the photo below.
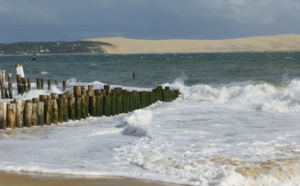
(77, 104)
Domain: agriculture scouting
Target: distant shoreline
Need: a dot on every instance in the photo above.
(278, 43)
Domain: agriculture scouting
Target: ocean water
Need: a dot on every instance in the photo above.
(236, 121)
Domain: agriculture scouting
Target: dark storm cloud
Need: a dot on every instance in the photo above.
(48, 20)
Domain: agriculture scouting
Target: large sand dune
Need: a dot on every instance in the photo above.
(250, 44)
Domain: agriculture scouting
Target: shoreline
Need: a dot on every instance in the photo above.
(12, 178)
(78, 54)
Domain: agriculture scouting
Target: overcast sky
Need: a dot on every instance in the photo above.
(69, 20)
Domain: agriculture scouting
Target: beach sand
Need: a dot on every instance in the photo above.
(278, 43)
(35, 179)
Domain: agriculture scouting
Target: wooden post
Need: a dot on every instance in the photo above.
(66, 109)
(83, 107)
(61, 109)
(42, 84)
(78, 108)
(83, 90)
(107, 106)
(107, 88)
(113, 103)
(54, 111)
(133, 75)
(92, 105)
(64, 85)
(99, 105)
(56, 82)
(91, 91)
(34, 118)
(47, 112)
(70, 94)
(41, 114)
(23, 80)
(38, 83)
(11, 108)
(54, 95)
(77, 91)
(2, 83)
(28, 113)
(19, 112)
(71, 103)
(10, 87)
(49, 84)
(3, 115)
(28, 84)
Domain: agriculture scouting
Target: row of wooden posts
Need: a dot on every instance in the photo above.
(78, 104)
(22, 86)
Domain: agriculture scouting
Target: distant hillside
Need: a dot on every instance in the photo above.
(278, 43)
(57, 47)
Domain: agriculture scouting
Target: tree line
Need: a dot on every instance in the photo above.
(54, 47)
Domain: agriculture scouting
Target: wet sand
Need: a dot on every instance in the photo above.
(36, 179)
(278, 43)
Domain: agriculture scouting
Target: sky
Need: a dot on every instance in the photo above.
(71, 20)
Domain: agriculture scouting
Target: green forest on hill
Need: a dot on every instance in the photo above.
(54, 47)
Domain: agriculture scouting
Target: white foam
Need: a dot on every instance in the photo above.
(236, 134)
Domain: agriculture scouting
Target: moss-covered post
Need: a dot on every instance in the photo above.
(78, 109)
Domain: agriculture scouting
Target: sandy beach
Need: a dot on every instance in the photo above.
(36, 179)
(251, 44)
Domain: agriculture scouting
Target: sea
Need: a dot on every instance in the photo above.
(235, 122)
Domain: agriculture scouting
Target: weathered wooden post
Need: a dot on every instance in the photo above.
(133, 75)
(77, 91)
(20, 75)
(10, 87)
(66, 109)
(38, 83)
(64, 85)
(54, 95)
(61, 109)
(49, 84)
(28, 113)
(48, 112)
(54, 111)
(19, 112)
(99, 105)
(71, 103)
(41, 114)
(35, 118)
(23, 80)
(28, 84)
(113, 102)
(92, 105)
(42, 84)
(107, 88)
(107, 106)
(91, 91)
(78, 108)
(83, 107)
(2, 84)
(3, 115)
(56, 82)
(11, 118)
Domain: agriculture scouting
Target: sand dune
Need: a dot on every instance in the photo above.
(250, 44)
